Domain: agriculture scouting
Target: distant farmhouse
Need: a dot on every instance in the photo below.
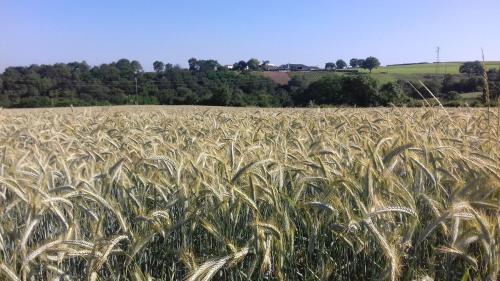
(269, 67)
(282, 68)
(297, 67)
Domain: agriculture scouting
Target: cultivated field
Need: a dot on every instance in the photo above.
(429, 68)
(282, 78)
(167, 193)
(411, 72)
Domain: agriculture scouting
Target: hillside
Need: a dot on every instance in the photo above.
(428, 68)
(395, 72)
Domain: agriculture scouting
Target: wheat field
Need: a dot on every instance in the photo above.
(202, 193)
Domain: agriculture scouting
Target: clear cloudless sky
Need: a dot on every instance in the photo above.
(283, 31)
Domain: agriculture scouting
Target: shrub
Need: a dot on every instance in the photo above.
(35, 102)
(327, 90)
(360, 90)
(453, 103)
(391, 93)
(451, 95)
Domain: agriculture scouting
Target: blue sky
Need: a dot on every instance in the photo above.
(282, 31)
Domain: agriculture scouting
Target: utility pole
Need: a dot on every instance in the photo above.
(438, 60)
(136, 94)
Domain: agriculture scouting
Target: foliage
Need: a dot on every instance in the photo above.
(203, 65)
(415, 90)
(354, 63)
(391, 93)
(370, 63)
(241, 65)
(325, 91)
(253, 64)
(340, 64)
(451, 95)
(357, 90)
(461, 85)
(494, 83)
(361, 62)
(79, 84)
(472, 68)
(158, 66)
(330, 66)
(206, 83)
(360, 90)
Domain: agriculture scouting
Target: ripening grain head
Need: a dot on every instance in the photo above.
(131, 193)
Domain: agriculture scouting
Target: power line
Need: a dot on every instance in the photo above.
(438, 59)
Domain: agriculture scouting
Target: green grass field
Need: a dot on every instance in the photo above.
(411, 72)
(429, 68)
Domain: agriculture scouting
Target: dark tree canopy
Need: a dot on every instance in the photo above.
(114, 83)
(253, 64)
(330, 66)
(241, 65)
(353, 63)
(136, 66)
(341, 64)
(472, 68)
(203, 65)
(193, 64)
(370, 63)
(356, 90)
(360, 62)
(158, 66)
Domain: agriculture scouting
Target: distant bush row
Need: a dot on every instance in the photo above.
(358, 90)
(450, 86)
(124, 82)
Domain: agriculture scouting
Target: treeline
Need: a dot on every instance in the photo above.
(369, 63)
(124, 82)
(204, 83)
(352, 90)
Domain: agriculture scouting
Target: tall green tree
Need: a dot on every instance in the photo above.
(158, 66)
(209, 65)
(360, 63)
(241, 65)
(330, 66)
(169, 66)
(327, 90)
(359, 90)
(391, 93)
(253, 64)
(371, 63)
(193, 64)
(124, 66)
(136, 66)
(341, 64)
(203, 65)
(472, 68)
(353, 62)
